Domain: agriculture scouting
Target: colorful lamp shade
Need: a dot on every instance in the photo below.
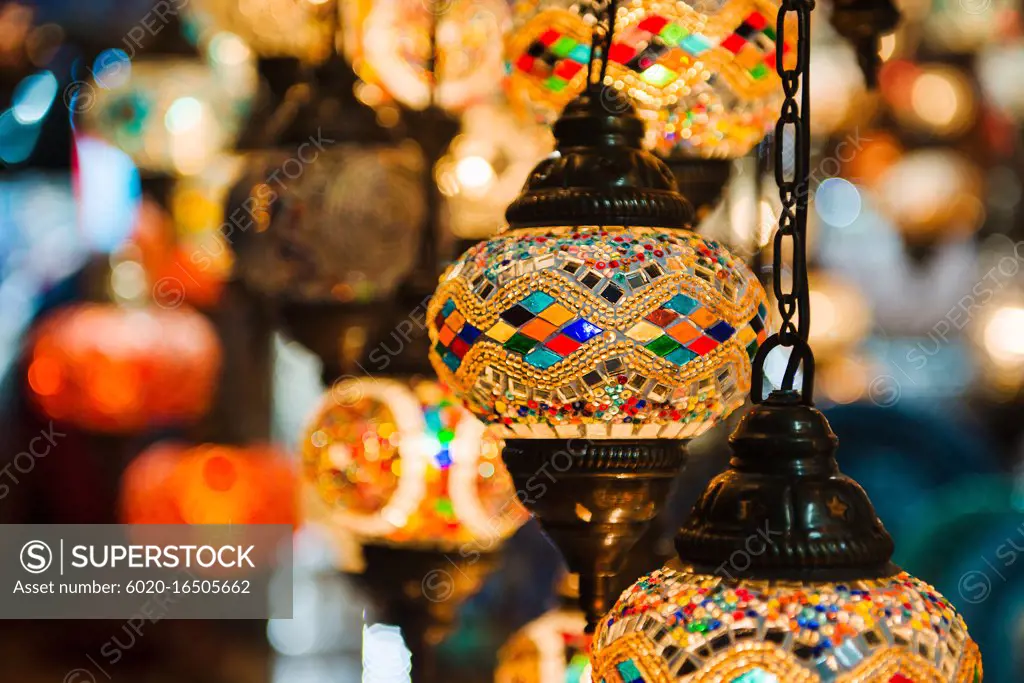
(604, 332)
(550, 649)
(170, 115)
(784, 574)
(402, 463)
(395, 50)
(209, 484)
(486, 166)
(681, 625)
(107, 368)
(273, 28)
(703, 77)
(343, 228)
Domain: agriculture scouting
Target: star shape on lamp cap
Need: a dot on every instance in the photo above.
(837, 508)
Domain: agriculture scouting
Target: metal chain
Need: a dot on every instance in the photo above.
(793, 192)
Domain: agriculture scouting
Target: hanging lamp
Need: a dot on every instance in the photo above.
(596, 335)
(784, 570)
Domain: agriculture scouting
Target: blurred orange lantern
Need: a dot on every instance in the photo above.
(109, 368)
(209, 484)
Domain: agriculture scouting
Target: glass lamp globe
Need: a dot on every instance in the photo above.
(171, 115)
(394, 50)
(702, 74)
(403, 463)
(784, 574)
(550, 649)
(273, 28)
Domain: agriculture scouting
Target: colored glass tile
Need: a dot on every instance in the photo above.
(745, 30)
(568, 69)
(555, 84)
(563, 345)
(538, 329)
(702, 345)
(468, 333)
(541, 358)
(681, 303)
(549, 37)
(582, 330)
(455, 321)
(556, 314)
(683, 332)
(459, 347)
(621, 53)
(525, 62)
(501, 331)
(447, 308)
(759, 71)
(644, 332)
(681, 356)
(673, 34)
(900, 678)
(658, 75)
(590, 278)
(580, 54)
(629, 672)
(756, 675)
(563, 46)
(517, 315)
(520, 343)
(746, 335)
(720, 331)
(733, 43)
(695, 44)
(702, 317)
(663, 345)
(446, 334)
(757, 20)
(662, 317)
(652, 23)
(612, 293)
(451, 360)
(537, 302)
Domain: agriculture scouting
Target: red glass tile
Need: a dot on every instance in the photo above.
(525, 63)
(621, 53)
(733, 43)
(756, 20)
(702, 345)
(563, 345)
(549, 37)
(653, 23)
(567, 69)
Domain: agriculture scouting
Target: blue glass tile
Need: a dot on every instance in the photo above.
(582, 331)
(580, 53)
(451, 360)
(694, 44)
(468, 333)
(629, 672)
(448, 307)
(720, 331)
(681, 303)
(756, 676)
(537, 302)
(681, 356)
(541, 358)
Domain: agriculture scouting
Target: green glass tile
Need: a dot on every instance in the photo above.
(520, 343)
(663, 345)
(673, 34)
(759, 71)
(555, 84)
(564, 46)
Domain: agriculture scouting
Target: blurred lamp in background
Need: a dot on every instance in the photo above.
(108, 368)
(405, 464)
(171, 115)
(550, 649)
(398, 39)
(273, 28)
(486, 166)
(933, 99)
(209, 484)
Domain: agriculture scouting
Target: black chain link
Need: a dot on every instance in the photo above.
(791, 237)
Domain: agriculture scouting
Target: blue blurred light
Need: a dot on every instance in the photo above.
(17, 140)
(112, 68)
(838, 202)
(34, 96)
(109, 194)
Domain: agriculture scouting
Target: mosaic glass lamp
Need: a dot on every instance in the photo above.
(702, 74)
(550, 649)
(784, 574)
(596, 335)
(404, 463)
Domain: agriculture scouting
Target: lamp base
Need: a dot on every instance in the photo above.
(421, 591)
(594, 500)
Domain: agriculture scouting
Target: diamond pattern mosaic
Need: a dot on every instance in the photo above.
(680, 627)
(598, 331)
(705, 78)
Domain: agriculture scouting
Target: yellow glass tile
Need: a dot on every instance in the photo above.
(501, 332)
(556, 314)
(644, 332)
(455, 321)
(746, 335)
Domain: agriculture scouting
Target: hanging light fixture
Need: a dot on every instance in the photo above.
(784, 569)
(702, 77)
(596, 335)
